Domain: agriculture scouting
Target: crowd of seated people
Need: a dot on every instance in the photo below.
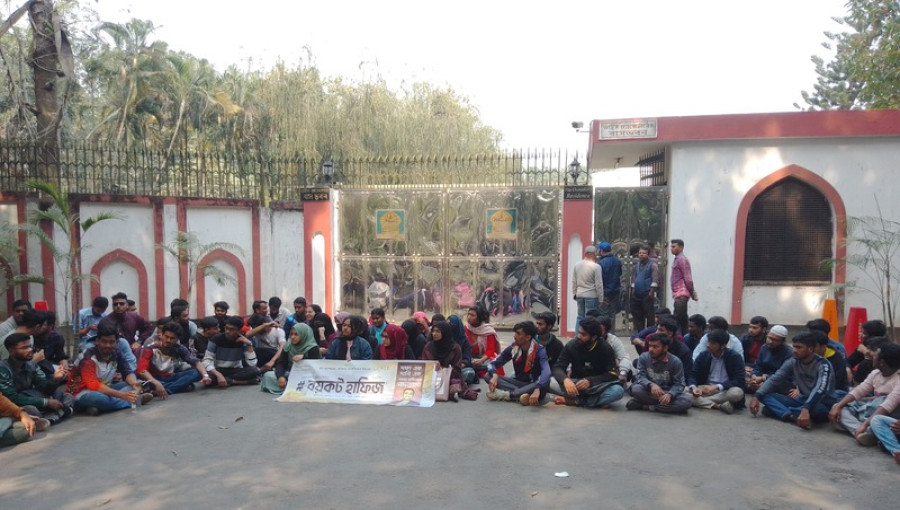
(123, 360)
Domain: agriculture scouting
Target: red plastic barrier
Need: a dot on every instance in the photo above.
(851, 335)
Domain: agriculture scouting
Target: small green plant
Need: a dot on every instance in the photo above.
(187, 249)
(873, 243)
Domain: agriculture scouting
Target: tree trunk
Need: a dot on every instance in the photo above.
(45, 64)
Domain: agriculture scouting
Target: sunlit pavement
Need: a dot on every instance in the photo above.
(237, 448)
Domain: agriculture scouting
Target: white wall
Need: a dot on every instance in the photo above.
(708, 180)
(131, 231)
(281, 252)
(286, 279)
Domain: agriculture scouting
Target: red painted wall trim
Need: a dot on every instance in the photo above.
(22, 216)
(200, 281)
(818, 124)
(317, 218)
(257, 257)
(740, 239)
(143, 300)
(576, 219)
(159, 259)
(48, 266)
(112, 199)
(181, 219)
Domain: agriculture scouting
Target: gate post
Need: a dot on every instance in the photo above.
(318, 256)
(577, 232)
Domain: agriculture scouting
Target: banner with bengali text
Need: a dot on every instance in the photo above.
(391, 383)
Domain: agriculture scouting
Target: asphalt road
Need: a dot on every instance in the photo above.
(238, 449)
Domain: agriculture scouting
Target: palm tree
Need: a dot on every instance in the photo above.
(59, 212)
(187, 249)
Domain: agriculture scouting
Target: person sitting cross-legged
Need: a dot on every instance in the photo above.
(301, 345)
(230, 357)
(532, 370)
(716, 381)
(594, 378)
(878, 394)
(809, 381)
(25, 384)
(658, 384)
(94, 381)
(169, 366)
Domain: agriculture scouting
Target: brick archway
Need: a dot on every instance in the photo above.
(816, 182)
(200, 280)
(132, 260)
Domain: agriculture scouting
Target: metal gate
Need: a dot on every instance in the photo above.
(441, 250)
(628, 218)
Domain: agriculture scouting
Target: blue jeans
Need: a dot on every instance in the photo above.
(782, 406)
(602, 398)
(881, 427)
(89, 398)
(177, 382)
(585, 305)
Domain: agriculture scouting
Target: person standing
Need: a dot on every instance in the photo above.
(643, 295)
(611, 267)
(682, 284)
(587, 284)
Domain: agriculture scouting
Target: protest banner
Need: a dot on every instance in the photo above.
(390, 382)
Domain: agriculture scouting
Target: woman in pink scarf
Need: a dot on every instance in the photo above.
(394, 344)
(422, 321)
(483, 338)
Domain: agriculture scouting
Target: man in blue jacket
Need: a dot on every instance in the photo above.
(716, 381)
(611, 267)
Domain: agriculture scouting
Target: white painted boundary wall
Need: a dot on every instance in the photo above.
(709, 179)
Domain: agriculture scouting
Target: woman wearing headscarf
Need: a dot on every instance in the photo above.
(459, 334)
(483, 339)
(322, 329)
(302, 345)
(441, 347)
(416, 340)
(339, 319)
(352, 343)
(422, 321)
(395, 344)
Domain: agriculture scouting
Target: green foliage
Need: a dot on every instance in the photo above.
(134, 92)
(865, 70)
(54, 207)
(187, 249)
(873, 246)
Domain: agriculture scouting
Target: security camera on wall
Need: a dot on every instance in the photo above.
(577, 125)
